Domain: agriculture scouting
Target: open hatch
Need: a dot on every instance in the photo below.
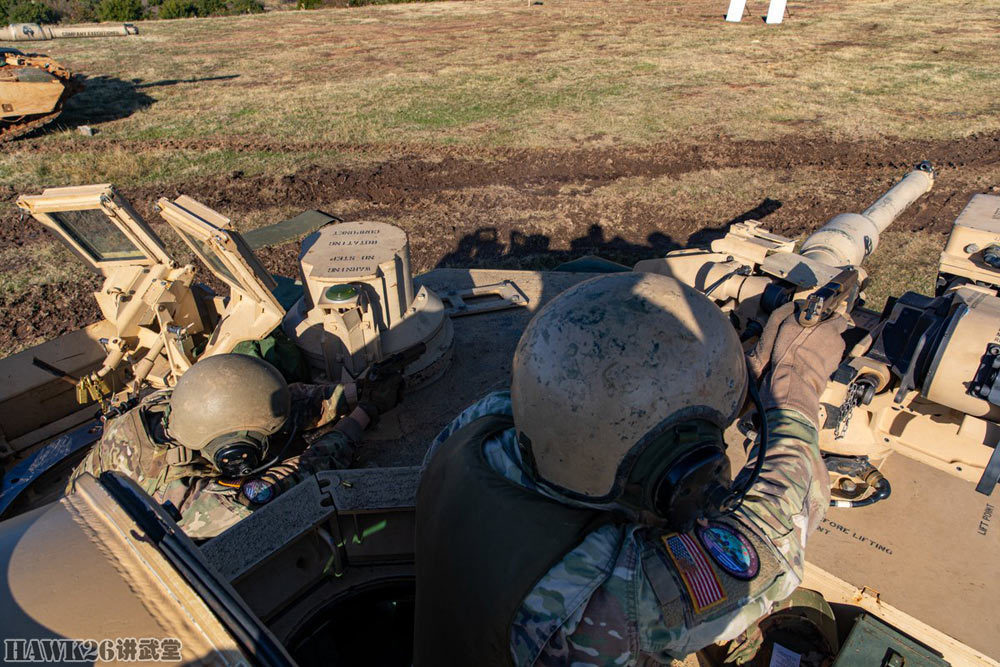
(99, 226)
(156, 320)
(251, 312)
(141, 281)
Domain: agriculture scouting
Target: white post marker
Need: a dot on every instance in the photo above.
(776, 11)
(736, 8)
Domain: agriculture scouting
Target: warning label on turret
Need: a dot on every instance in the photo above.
(352, 250)
(932, 539)
(828, 527)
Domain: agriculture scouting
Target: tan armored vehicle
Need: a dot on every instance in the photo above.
(34, 87)
(323, 574)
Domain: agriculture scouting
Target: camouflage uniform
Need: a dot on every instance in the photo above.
(207, 504)
(599, 605)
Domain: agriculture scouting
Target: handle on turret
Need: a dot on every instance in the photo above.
(849, 238)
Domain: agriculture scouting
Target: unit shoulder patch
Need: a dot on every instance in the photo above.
(730, 549)
(703, 586)
(257, 491)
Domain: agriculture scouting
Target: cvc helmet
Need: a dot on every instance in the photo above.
(621, 388)
(227, 407)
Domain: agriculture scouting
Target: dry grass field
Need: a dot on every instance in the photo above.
(503, 134)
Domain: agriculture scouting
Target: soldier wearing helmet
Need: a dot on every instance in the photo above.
(232, 435)
(588, 515)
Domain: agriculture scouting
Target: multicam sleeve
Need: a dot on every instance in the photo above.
(91, 464)
(207, 511)
(577, 611)
(792, 495)
(333, 451)
(112, 452)
(783, 507)
(316, 405)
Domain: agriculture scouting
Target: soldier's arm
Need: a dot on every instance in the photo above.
(793, 492)
(787, 501)
(91, 464)
(333, 451)
(782, 508)
(316, 405)
(206, 509)
(112, 452)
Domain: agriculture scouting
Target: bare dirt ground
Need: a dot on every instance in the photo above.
(455, 204)
(575, 127)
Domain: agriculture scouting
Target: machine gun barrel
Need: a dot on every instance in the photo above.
(849, 238)
(34, 32)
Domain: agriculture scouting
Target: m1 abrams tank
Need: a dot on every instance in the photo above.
(324, 573)
(34, 87)
(33, 90)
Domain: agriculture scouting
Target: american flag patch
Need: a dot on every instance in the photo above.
(702, 584)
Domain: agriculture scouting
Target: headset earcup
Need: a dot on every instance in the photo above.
(687, 489)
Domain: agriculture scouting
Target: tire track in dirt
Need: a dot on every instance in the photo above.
(399, 185)
(417, 183)
(795, 151)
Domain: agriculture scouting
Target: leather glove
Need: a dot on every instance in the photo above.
(802, 361)
(383, 393)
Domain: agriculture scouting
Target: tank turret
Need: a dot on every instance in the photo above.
(34, 87)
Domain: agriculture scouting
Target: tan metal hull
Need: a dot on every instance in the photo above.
(33, 90)
(923, 560)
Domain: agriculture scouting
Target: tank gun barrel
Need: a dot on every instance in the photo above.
(848, 238)
(34, 32)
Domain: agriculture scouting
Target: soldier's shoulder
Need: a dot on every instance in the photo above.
(209, 514)
(711, 571)
(496, 403)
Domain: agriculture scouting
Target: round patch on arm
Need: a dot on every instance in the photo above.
(730, 550)
(257, 491)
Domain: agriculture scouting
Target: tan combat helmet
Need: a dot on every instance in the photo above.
(612, 365)
(228, 406)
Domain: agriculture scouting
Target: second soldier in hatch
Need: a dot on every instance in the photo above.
(587, 517)
(232, 435)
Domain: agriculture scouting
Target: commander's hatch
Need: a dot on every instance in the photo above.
(251, 311)
(142, 282)
(98, 225)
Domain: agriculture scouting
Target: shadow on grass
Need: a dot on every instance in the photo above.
(107, 98)
(485, 249)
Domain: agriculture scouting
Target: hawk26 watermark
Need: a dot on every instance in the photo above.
(120, 649)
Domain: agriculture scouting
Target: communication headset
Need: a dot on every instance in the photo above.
(237, 454)
(684, 474)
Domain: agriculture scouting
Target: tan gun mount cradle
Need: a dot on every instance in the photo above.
(944, 352)
(945, 400)
(359, 305)
(140, 279)
(155, 315)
